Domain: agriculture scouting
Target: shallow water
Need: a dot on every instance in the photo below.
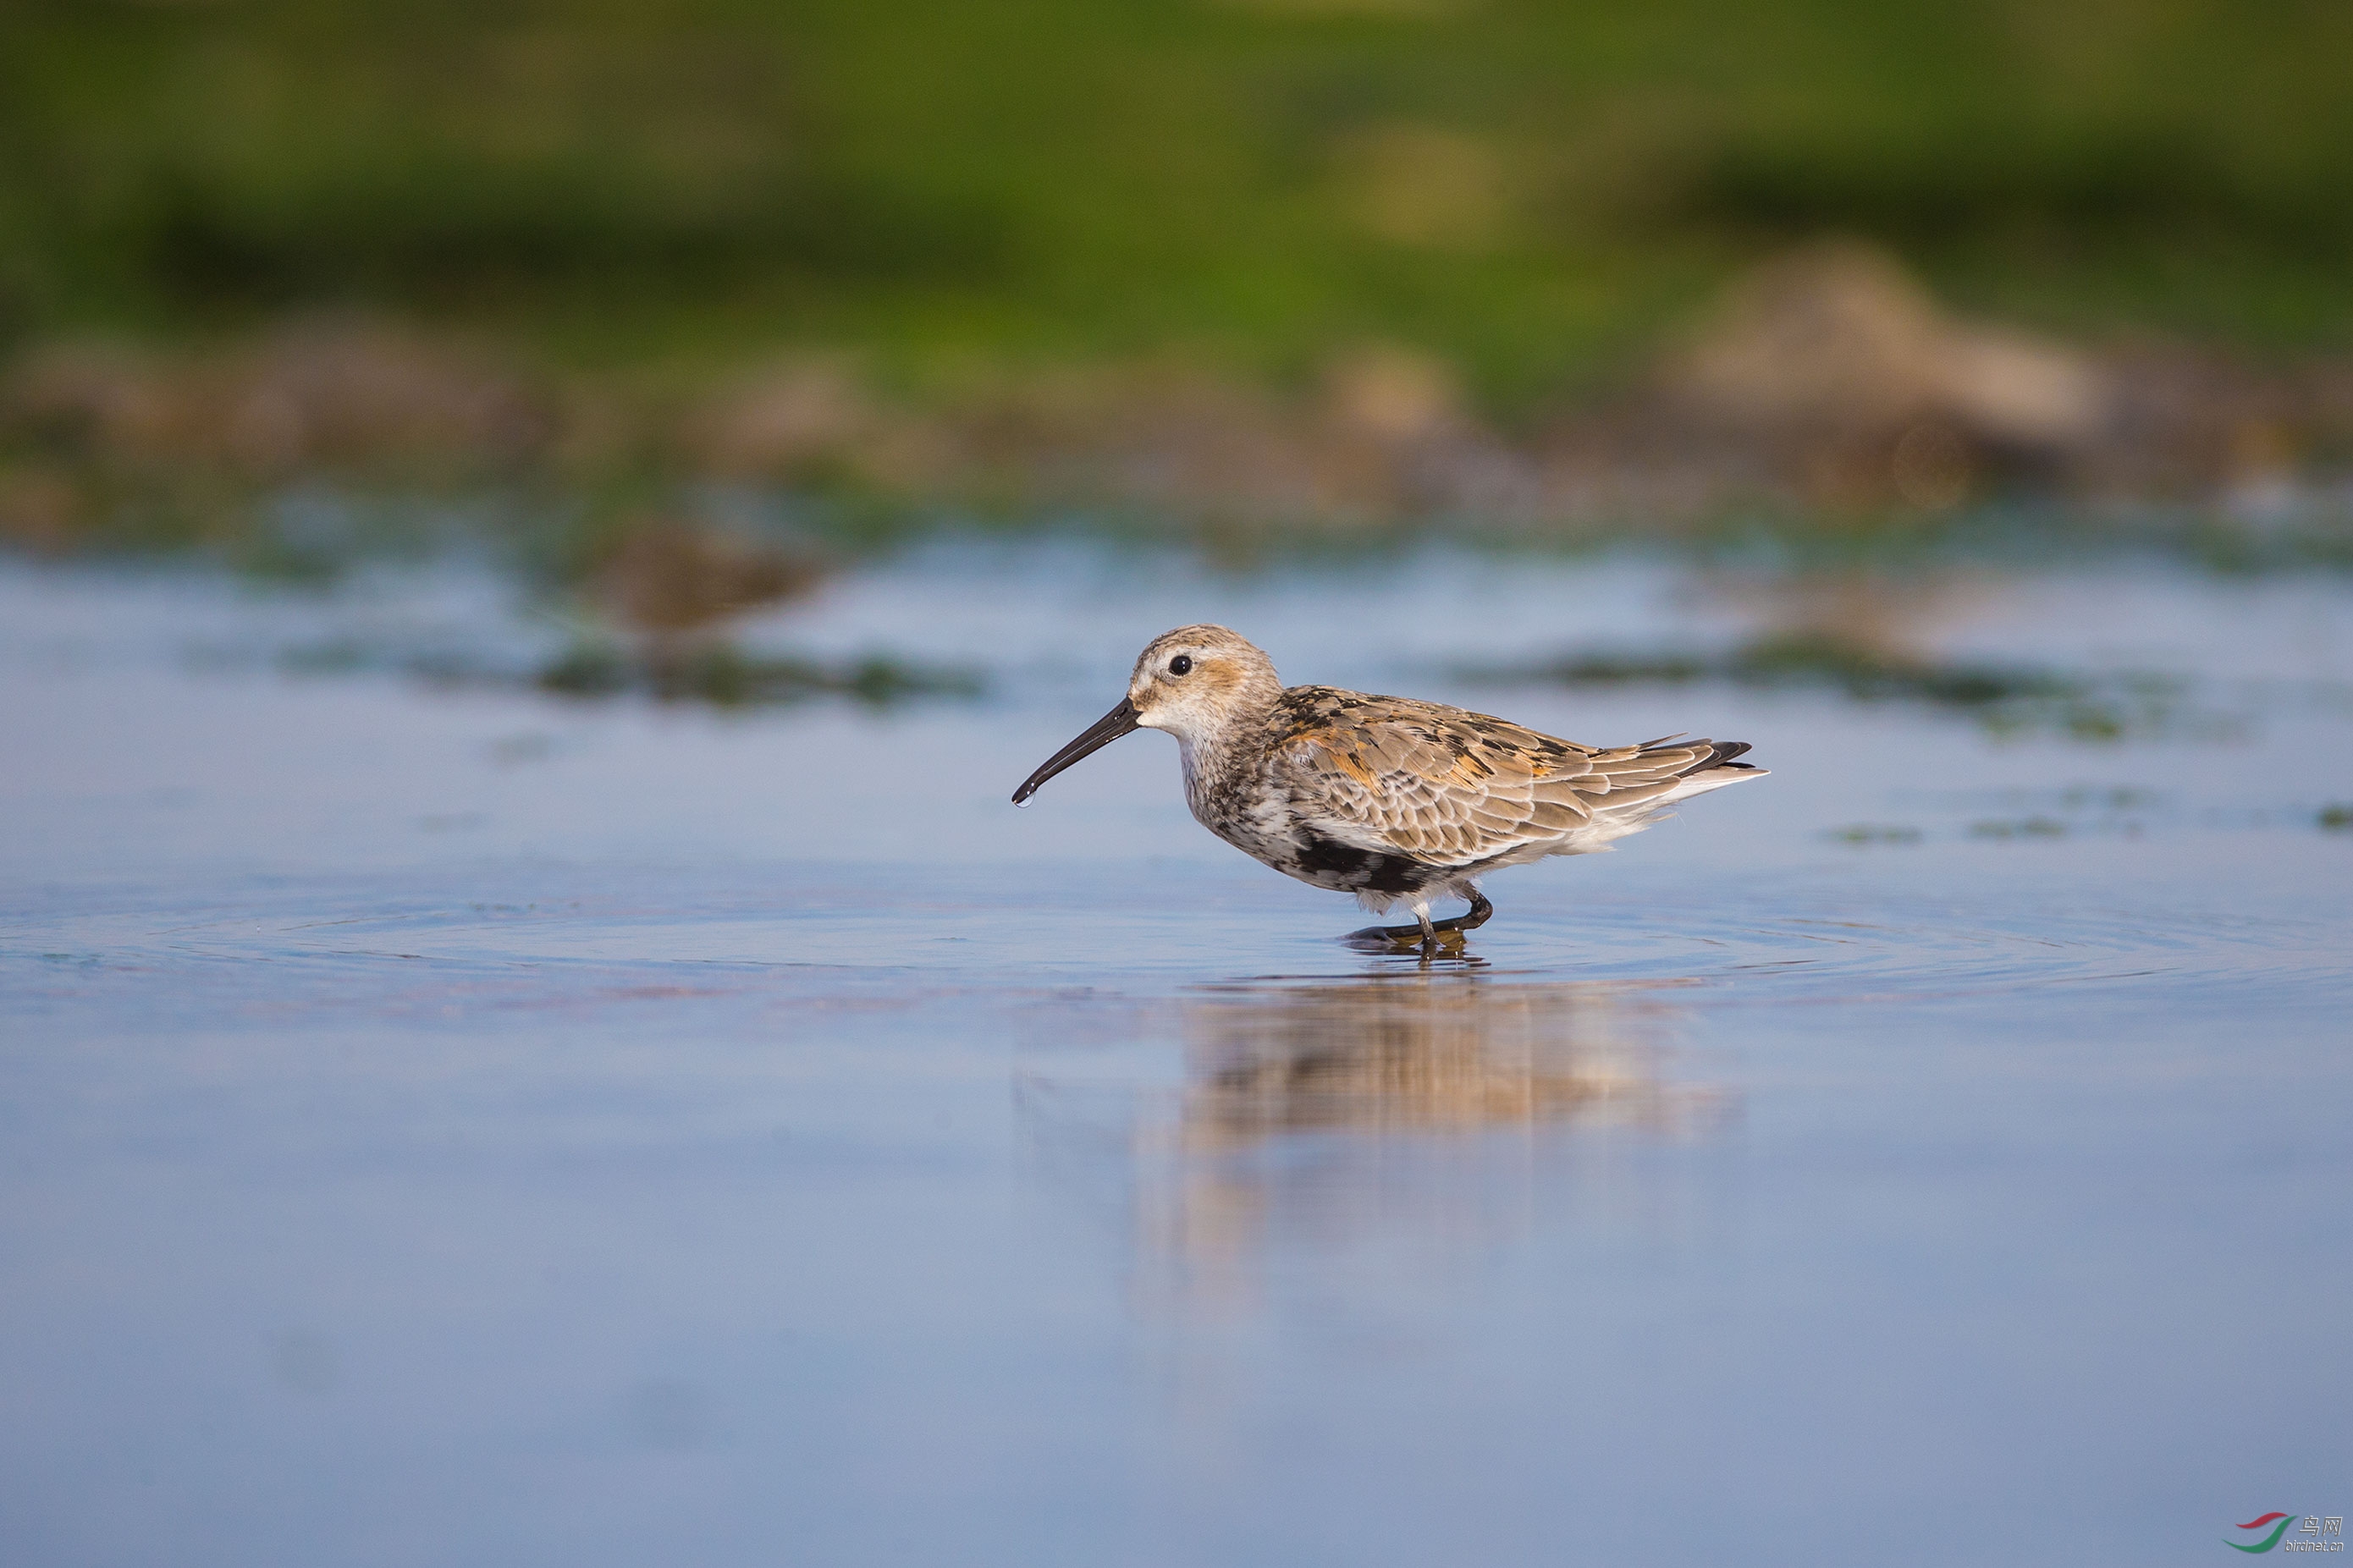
(466, 1126)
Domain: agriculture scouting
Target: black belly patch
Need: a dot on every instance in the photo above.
(1366, 870)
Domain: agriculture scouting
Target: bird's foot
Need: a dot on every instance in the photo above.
(1430, 936)
(1405, 939)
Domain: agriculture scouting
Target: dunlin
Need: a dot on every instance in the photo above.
(1397, 801)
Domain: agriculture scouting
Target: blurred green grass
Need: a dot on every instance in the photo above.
(1529, 191)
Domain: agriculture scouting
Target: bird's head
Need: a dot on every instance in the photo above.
(1192, 682)
(1196, 681)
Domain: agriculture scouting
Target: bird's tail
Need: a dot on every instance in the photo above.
(1714, 770)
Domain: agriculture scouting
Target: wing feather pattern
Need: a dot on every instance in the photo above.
(1453, 788)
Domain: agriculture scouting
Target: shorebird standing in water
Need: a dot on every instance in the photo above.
(1395, 801)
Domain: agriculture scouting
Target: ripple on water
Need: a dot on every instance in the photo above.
(549, 940)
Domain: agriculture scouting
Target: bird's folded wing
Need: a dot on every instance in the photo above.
(1452, 788)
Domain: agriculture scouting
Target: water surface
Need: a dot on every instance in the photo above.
(466, 1126)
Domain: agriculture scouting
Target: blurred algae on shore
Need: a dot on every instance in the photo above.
(1335, 268)
(1826, 390)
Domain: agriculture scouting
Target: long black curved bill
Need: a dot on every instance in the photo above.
(1120, 720)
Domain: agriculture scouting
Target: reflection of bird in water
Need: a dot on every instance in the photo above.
(1394, 800)
(1317, 1111)
(1379, 1054)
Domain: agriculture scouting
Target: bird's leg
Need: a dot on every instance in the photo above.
(1470, 919)
(1427, 932)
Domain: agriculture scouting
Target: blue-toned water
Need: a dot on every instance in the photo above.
(460, 1125)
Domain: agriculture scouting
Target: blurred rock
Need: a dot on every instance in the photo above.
(1157, 435)
(1385, 433)
(790, 421)
(1853, 382)
(2197, 421)
(667, 579)
(40, 510)
(1894, 617)
(1832, 378)
(84, 401)
(1838, 340)
(1827, 379)
(350, 395)
(1392, 394)
(313, 396)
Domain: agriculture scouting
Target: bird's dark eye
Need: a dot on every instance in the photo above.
(1181, 665)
